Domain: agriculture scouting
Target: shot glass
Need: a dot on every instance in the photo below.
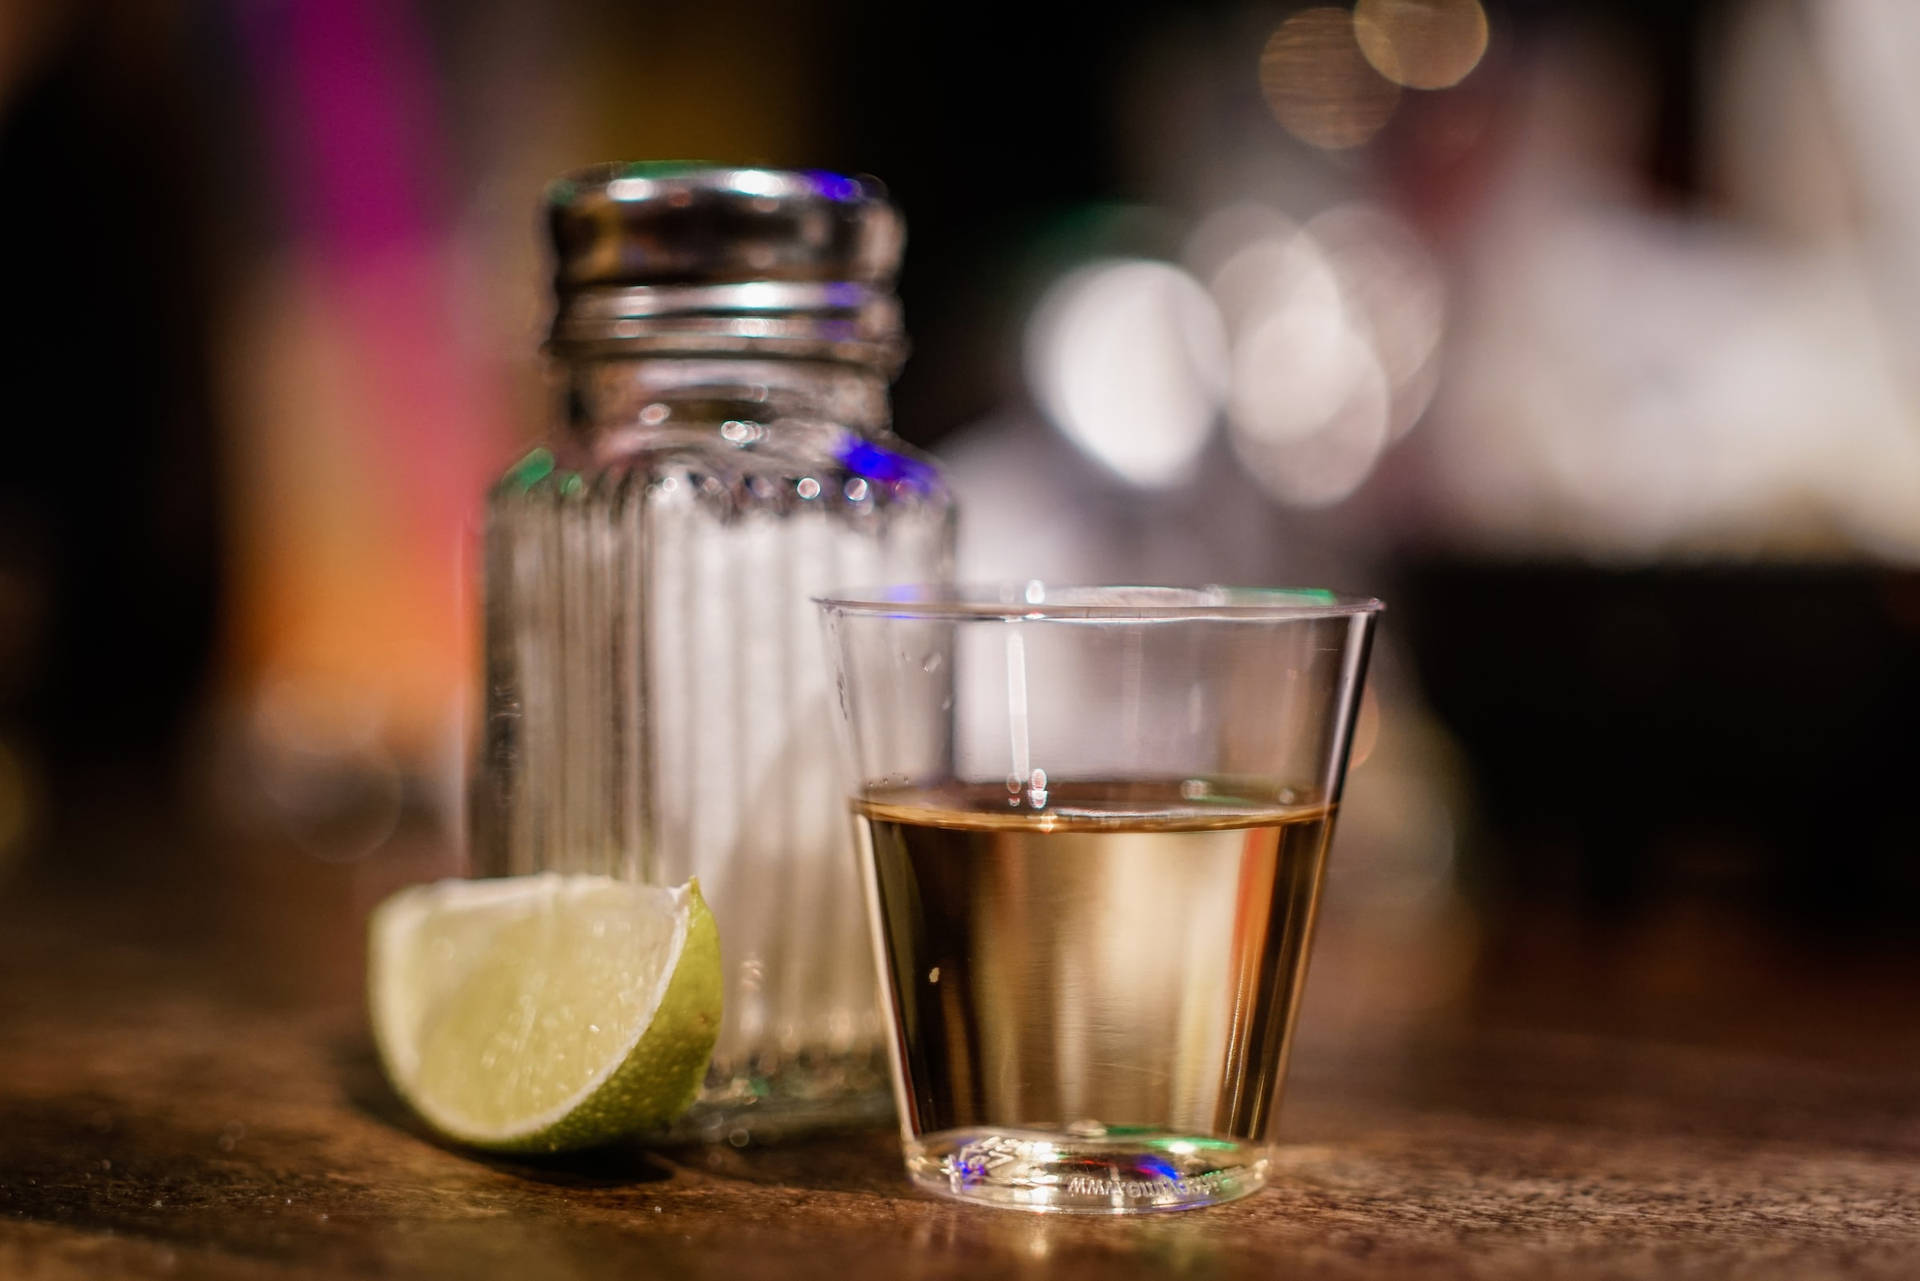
(1092, 823)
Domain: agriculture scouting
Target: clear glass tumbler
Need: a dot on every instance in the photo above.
(1093, 822)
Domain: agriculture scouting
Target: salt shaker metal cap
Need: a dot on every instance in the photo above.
(713, 260)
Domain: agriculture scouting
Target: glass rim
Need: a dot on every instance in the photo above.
(1036, 601)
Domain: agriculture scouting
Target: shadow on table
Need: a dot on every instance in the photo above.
(866, 1160)
(365, 1088)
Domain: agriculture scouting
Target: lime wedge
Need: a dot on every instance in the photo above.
(544, 1013)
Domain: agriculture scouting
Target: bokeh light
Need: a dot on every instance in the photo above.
(1320, 85)
(1392, 287)
(1295, 363)
(1128, 358)
(1421, 44)
(1256, 261)
(1328, 464)
(1334, 330)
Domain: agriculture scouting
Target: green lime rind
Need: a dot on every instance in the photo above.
(661, 1075)
(507, 1025)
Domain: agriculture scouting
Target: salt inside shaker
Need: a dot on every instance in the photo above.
(657, 702)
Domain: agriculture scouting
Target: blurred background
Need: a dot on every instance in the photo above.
(1585, 332)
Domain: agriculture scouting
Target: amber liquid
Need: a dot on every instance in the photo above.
(1108, 978)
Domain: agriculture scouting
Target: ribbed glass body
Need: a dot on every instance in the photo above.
(658, 704)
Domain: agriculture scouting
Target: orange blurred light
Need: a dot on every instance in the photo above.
(1320, 85)
(1421, 44)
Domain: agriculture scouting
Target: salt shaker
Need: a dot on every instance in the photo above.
(657, 702)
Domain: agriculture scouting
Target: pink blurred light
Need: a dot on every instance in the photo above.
(346, 82)
(348, 88)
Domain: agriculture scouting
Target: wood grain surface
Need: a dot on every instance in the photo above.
(186, 1090)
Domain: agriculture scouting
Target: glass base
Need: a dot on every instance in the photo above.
(1120, 1172)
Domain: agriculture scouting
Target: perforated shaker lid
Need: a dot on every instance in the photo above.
(670, 257)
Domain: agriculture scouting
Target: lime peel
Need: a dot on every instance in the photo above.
(545, 1013)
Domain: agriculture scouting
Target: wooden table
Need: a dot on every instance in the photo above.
(186, 1091)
